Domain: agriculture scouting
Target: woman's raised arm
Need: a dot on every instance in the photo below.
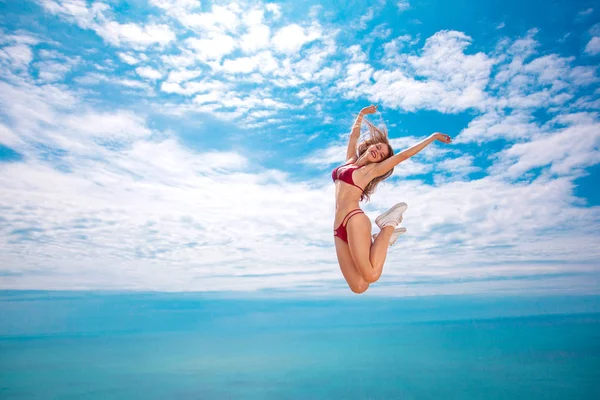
(386, 165)
(355, 132)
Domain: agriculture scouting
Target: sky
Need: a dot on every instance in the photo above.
(186, 145)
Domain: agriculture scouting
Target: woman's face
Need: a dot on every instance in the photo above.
(377, 152)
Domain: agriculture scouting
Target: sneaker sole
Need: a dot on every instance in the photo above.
(391, 210)
(401, 231)
(398, 232)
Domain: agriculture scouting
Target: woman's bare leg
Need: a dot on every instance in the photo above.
(380, 247)
(368, 256)
(355, 281)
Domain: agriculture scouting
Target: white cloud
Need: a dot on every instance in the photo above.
(242, 64)
(583, 75)
(356, 53)
(8, 137)
(325, 157)
(220, 20)
(358, 75)
(366, 18)
(190, 88)
(310, 66)
(176, 5)
(500, 25)
(392, 49)
(52, 71)
(93, 78)
(257, 38)
(593, 46)
(149, 73)
(459, 164)
(496, 125)
(212, 39)
(456, 168)
(263, 62)
(585, 103)
(185, 58)
(18, 56)
(453, 81)
(53, 65)
(585, 12)
(210, 97)
(254, 17)
(128, 58)
(513, 54)
(443, 56)
(274, 9)
(548, 80)
(291, 38)
(411, 167)
(327, 74)
(381, 31)
(133, 35)
(103, 128)
(115, 33)
(565, 150)
(212, 48)
(19, 37)
(183, 75)
(564, 37)
(403, 5)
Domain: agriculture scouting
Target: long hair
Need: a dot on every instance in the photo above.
(376, 135)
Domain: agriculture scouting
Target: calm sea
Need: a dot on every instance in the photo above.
(71, 345)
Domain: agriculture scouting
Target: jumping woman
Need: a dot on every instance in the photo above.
(361, 256)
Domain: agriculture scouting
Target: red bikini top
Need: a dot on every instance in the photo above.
(345, 175)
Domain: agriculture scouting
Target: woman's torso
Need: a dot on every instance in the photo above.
(350, 181)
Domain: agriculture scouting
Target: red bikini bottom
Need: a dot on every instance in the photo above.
(341, 230)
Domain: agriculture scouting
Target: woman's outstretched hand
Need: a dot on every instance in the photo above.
(369, 110)
(442, 137)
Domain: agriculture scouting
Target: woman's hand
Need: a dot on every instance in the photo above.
(369, 110)
(442, 137)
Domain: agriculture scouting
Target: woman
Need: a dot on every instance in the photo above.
(361, 258)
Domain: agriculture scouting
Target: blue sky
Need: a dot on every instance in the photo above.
(184, 145)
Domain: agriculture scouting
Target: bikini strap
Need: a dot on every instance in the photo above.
(350, 215)
(357, 186)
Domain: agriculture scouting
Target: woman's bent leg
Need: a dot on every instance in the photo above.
(354, 279)
(368, 257)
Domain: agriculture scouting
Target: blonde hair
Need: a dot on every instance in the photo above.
(376, 135)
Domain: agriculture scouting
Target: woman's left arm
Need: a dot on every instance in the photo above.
(386, 165)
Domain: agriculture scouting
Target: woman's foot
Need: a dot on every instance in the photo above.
(392, 217)
(395, 235)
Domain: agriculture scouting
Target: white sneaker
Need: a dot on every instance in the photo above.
(393, 216)
(395, 235)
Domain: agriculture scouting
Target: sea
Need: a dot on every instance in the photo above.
(107, 345)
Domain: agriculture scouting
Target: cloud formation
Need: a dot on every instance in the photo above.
(104, 196)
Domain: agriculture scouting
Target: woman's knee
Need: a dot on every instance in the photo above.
(359, 287)
(368, 273)
(374, 277)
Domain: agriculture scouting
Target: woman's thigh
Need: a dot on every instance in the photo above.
(359, 243)
(354, 279)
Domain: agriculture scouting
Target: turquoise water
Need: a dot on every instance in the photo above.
(94, 346)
